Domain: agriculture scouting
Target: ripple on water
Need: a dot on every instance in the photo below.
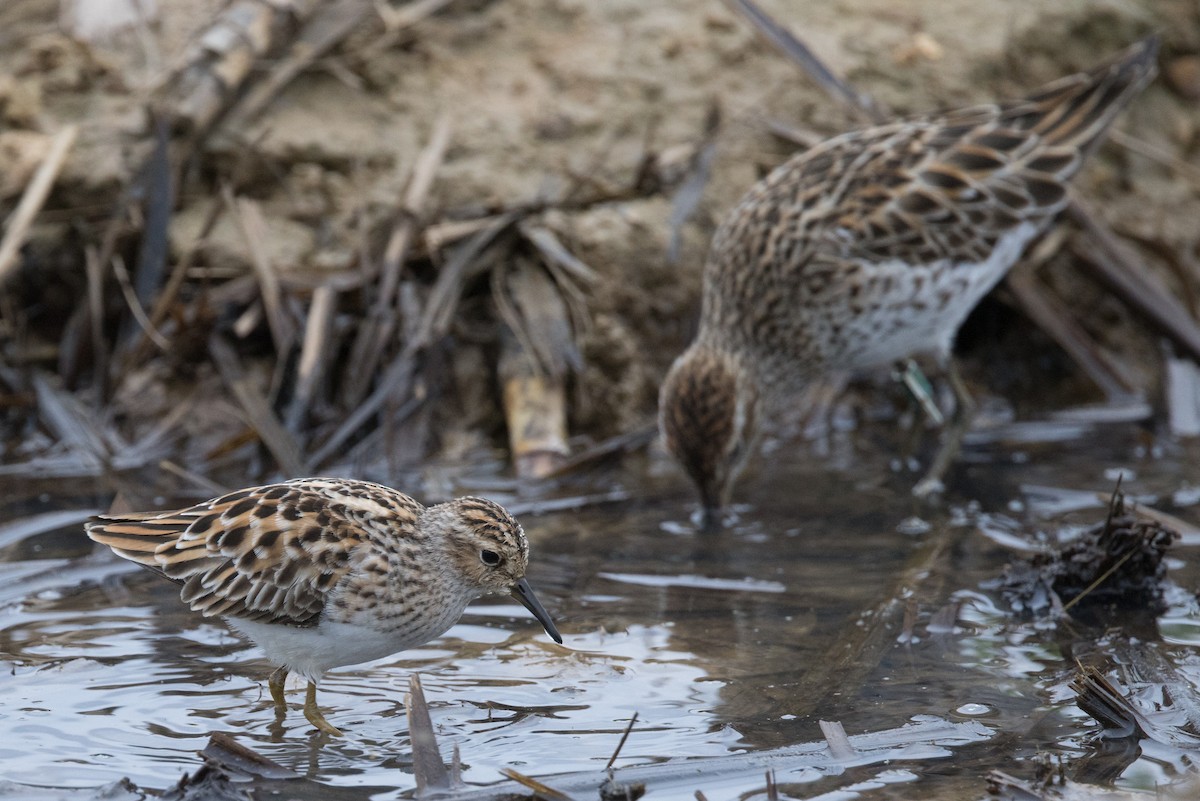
(712, 640)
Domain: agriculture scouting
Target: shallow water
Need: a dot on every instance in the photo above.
(721, 644)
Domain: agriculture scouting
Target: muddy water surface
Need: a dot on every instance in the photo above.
(833, 597)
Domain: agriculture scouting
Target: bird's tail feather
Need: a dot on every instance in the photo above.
(1075, 111)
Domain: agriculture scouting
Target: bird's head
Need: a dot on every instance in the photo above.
(708, 413)
(488, 551)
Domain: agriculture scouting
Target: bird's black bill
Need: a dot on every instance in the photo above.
(524, 593)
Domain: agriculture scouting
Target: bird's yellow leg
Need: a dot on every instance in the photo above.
(960, 423)
(313, 713)
(275, 684)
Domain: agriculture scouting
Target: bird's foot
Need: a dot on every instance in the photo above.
(275, 685)
(919, 389)
(954, 430)
(313, 713)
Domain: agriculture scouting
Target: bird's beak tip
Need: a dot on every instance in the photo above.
(524, 593)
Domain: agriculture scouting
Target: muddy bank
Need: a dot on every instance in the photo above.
(292, 237)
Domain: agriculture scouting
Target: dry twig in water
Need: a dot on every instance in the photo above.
(428, 768)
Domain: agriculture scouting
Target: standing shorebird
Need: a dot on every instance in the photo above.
(326, 572)
(872, 247)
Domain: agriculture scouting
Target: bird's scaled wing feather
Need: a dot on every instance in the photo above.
(268, 553)
(949, 186)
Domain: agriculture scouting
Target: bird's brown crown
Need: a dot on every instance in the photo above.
(488, 547)
(708, 415)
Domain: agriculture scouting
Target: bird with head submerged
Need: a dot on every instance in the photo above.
(870, 248)
(327, 572)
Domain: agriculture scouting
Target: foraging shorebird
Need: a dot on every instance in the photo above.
(870, 248)
(326, 572)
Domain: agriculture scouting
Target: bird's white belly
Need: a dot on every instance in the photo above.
(310, 652)
(923, 307)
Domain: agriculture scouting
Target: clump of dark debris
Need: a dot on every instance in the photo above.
(1109, 570)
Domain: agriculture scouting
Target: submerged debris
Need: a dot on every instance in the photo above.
(1052, 786)
(1147, 711)
(226, 754)
(233, 771)
(613, 790)
(1051, 783)
(610, 788)
(209, 783)
(1112, 568)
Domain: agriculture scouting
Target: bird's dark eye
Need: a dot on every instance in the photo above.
(490, 558)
